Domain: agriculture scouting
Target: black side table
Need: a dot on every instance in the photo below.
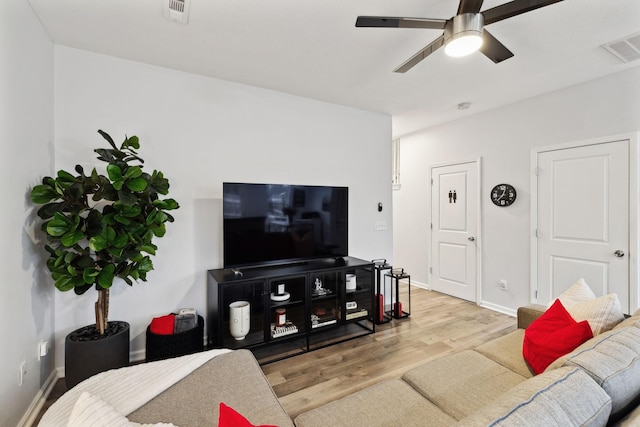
(380, 314)
(398, 311)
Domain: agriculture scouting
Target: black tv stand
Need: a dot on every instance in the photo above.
(319, 309)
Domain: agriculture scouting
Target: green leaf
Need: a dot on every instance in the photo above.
(122, 219)
(150, 249)
(41, 194)
(159, 230)
(159, 182)
(114, 172)
(65, 283)
(57, 227)
(98, 243)
(161, 218)
(71, 238)
(166, 204)
(50, 209)
(110, 234)
(132, 141)
(93, 223)
(133, 172)
(81, 288)
(65, 176)
(59, 261)
(137, 184)
(145, 265)
(62, 217)
(85, 261)
(104, 155)
(151, 217)
(89, 275)
(116, 252)
(127, 198)
(108, 138)
(121, 241)
(105, 277)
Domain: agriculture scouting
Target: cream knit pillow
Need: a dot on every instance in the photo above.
(578, 292)
(602, 313)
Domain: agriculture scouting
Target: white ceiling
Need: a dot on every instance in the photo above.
(311, 48)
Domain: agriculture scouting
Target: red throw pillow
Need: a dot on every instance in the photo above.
(552, 335)
(162, 325)
(229, 417)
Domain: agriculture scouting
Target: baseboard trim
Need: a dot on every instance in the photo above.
(420, 285)
(499, 308)
(39, 400)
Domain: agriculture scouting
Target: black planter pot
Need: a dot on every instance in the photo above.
(86, 353)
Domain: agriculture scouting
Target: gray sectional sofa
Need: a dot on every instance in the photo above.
(597, 384)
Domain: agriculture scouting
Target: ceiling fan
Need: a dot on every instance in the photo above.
(464, 33)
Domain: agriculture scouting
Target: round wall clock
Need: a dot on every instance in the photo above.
(503, 195)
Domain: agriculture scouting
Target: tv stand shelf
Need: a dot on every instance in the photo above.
(293, 308)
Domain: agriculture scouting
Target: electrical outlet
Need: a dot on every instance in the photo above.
(23, 372)
(503, 285)
(380, 225)
(43, 349)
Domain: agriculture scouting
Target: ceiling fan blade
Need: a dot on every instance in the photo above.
(493, 49)
(513, 8)
(415, 59)
(396, 22)
(469, 6)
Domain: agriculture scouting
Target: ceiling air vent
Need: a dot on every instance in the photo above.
(177, 10)
(626, 49)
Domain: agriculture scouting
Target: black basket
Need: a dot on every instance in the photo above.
(165, 346)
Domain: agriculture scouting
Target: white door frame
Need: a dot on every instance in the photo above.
(634, 212)
(478, 162)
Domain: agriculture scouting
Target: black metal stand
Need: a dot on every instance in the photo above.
(398, 311)
(380, 314)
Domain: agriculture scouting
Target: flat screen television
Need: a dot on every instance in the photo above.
(266, 224)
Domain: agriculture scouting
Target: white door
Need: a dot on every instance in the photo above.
(583, 220)
(455, 206)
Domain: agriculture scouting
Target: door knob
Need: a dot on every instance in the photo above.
(619, 253)
(471, 239)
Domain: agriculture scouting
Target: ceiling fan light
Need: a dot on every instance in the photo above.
(463, 45)
(463, 34)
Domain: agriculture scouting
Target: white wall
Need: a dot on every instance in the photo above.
(26, 132)
(200, 132)
(504, 138)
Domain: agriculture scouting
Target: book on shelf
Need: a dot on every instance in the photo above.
(325, 320)
(281, 331)
(325, 323)
(357, 313)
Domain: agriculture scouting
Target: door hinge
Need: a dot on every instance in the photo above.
(431, 226)
(537, 234)
(431, 270)
(431, 181)
(536, 295)
(536, 171)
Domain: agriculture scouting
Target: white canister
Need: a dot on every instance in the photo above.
(351, 282)
(239, 319)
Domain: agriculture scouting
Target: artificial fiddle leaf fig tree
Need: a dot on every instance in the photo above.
(102, 227)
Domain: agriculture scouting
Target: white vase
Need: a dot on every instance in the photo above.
(239, 319)
(351, 282)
